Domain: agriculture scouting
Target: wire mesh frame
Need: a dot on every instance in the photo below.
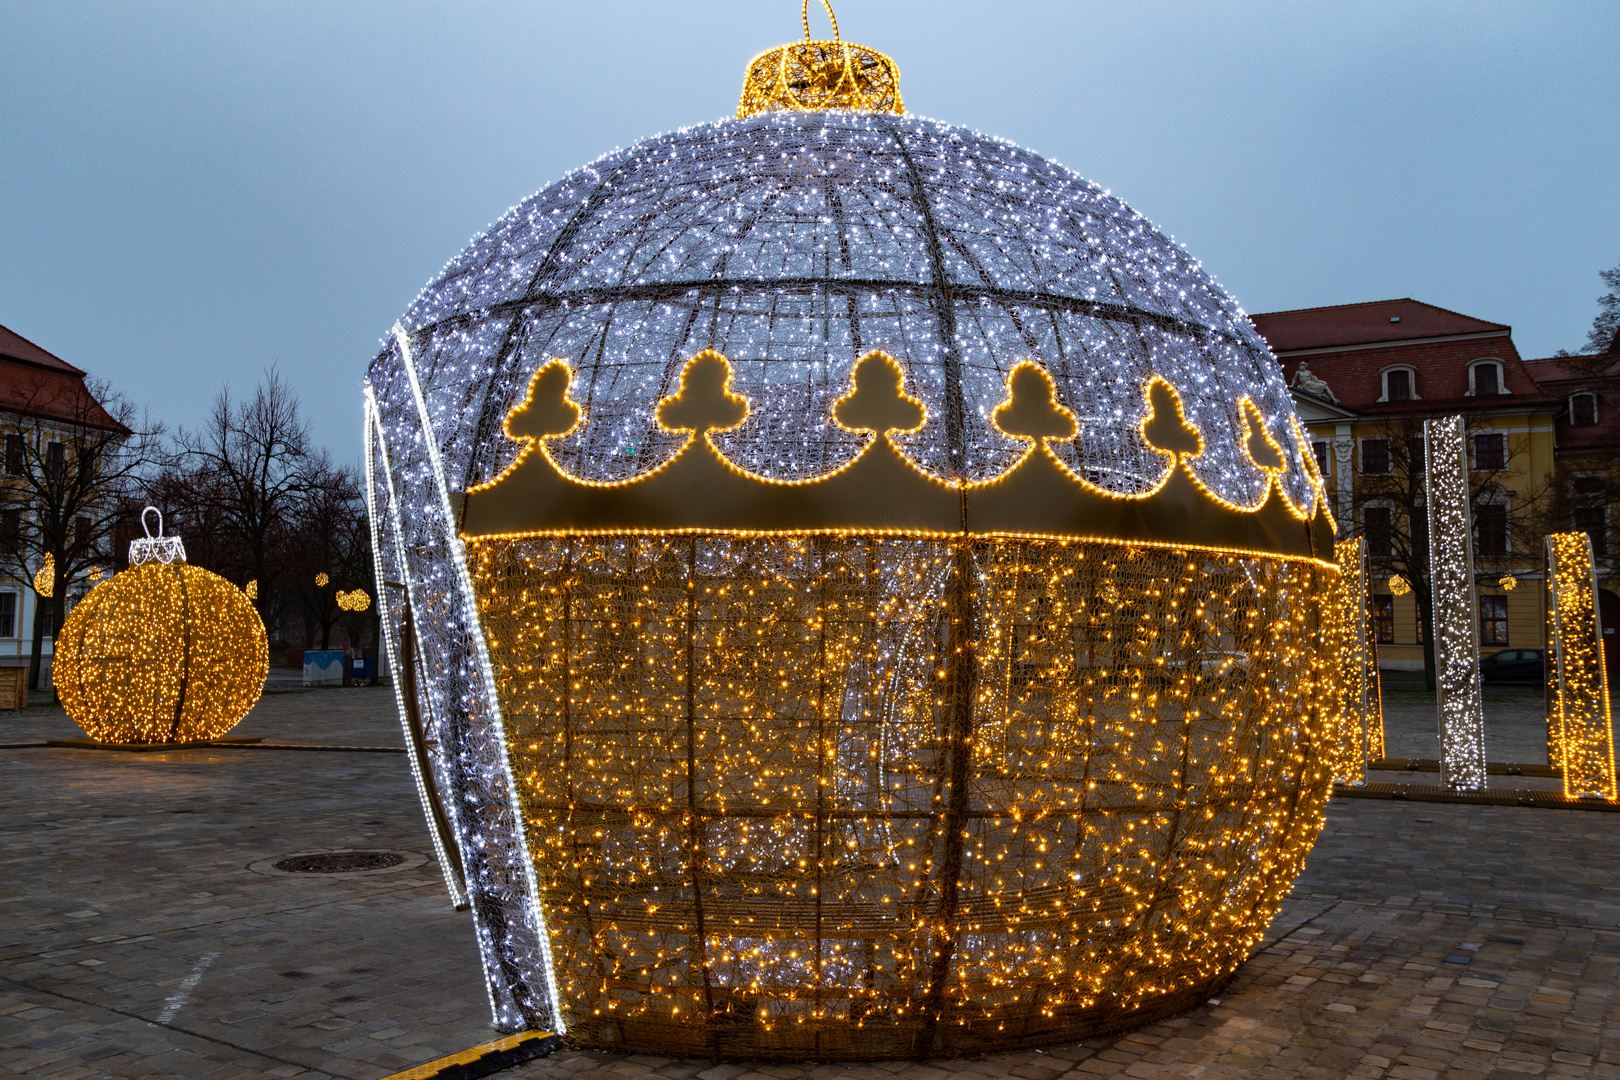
(459, 713)
(393, 613)
(1578, 721)
(794, 243)
(1458, 703)
(860, 797)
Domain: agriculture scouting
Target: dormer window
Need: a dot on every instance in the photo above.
(1583, 410)
(1400, 384)
(1485, 379)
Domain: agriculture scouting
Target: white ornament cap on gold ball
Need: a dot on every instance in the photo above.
(158, 548)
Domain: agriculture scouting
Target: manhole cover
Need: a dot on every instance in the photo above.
(339, 862)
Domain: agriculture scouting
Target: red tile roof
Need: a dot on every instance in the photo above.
(1363, 324)
(16, 347)
(37, 383)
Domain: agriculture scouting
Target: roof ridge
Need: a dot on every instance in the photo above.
(4, 330)
(1375, 303)
(1330, 307)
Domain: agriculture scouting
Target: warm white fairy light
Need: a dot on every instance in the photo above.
(1360, 721)
(1456, 622)
(1581, 736)
(795, 243)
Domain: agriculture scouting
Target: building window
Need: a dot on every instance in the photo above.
(1490, 529)
(1493, 626)
(1378, 526)
(1399, 385)
(1583, 410)
(16, 456)
(81, 532)
(1490, 452)
(1320, 450)
(8, 614)
(10, 527)
(1485, 379)
(1591, 520)
(55, 460)
(1384, 618)
(1589, 486)
(1375, 456)
(1415, 464)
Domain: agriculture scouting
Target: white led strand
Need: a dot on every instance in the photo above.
(396, 658)
(474, 630)
(1456, 622)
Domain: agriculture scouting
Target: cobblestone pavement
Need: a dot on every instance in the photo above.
(137, 938)
(1515, 724)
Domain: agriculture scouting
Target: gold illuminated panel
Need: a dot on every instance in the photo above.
(1359, 713)
(875, 796)
(882, 490)
(810, 76)
(1579, 705)
(161, 653)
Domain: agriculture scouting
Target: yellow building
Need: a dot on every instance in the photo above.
(1365, 377)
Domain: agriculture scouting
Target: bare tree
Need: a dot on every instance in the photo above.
(250, 466)
(1606, 325)
(330, 541)
(76, 459)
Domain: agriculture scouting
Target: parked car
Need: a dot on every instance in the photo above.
(1513, 665)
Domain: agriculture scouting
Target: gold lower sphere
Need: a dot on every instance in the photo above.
(836, 797)
(161, 653)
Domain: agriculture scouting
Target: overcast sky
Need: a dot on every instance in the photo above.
(190, 192)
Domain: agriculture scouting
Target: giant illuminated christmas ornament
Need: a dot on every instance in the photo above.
(164, 652)
(854, 589)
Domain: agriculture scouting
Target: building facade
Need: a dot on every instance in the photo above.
(49, 420)
(1541, 449)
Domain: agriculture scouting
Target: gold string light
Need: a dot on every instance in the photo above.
(1579, 737)
(810, 76)
(1399, 585)
(1358, 712)
(736, 756)
(162, 652)
(45, 577)
(356, 600)
(321, 580)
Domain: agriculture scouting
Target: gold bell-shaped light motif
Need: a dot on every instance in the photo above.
(812, 76)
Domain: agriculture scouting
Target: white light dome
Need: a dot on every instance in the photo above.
(793, 243)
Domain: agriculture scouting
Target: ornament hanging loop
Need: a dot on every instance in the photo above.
(804, 16)
(158, 548)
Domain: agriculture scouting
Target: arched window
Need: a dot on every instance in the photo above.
(1485, 378)
(1399, 384)
(1583, 410)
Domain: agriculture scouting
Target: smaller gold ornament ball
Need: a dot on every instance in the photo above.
(161, 653)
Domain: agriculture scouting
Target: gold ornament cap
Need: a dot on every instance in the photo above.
(813, 76)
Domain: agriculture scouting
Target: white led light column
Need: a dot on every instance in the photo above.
(1579, 709)
(1456, 625)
